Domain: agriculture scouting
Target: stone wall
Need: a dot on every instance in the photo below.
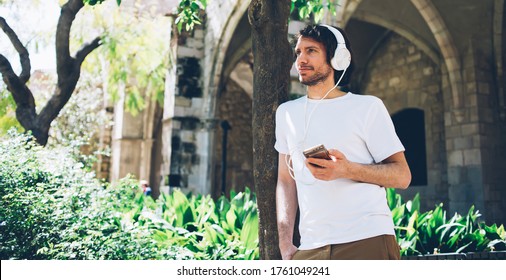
(190, 122)
(235, 107)
(103, 164)
(182, 120)
(404, 77)
(491, 136)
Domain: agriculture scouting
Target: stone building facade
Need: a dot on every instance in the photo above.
(438, 65)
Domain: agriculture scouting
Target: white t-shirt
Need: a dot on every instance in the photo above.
(342, 210)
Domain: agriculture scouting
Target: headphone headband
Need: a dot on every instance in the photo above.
(342, 56)
(337, 34)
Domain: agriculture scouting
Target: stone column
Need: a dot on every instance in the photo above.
(464, 142)
(132, 142)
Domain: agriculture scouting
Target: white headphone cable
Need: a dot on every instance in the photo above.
(288, 157)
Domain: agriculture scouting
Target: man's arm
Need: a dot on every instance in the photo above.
(286, 209)
(393, 172)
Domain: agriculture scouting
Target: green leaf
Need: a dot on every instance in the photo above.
(452, 242)
(231, 218)
(450, 226)
(492, 232)
(189, 216)
(416, 203)
(210, 234)
(303, 12)
(318, 17)
(194, 6)
(249, 231)
(397, 214)
(223, 207)
(391, 198)
(411, 230)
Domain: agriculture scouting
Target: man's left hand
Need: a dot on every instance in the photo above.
(327, 170)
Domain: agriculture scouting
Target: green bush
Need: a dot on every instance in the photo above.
(51, 208)
(431, 232)
(227, 229)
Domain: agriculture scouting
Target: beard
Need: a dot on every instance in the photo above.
(316, 78)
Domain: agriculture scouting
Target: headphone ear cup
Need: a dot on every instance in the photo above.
(341, 59)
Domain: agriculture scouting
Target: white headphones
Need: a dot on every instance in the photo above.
(342, 56)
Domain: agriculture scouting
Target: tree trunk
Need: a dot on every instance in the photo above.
(271, 77)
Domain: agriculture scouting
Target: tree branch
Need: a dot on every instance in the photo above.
(63, 59)
(25, 103)
(86, 49)
(256, 13)
(67, 67)
(24, 57)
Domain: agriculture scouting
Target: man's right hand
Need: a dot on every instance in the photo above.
(288, 252)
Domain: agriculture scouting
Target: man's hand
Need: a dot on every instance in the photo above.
(327, 170)
(392, 172)
(288, 251)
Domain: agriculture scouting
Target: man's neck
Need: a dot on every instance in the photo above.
(319, 90)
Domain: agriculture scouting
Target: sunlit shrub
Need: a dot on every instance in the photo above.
(51, 208)
(420, 233)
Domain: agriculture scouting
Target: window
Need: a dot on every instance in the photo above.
(410, 127)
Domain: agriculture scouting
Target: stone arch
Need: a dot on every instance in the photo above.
(446, 46)
(215, 77)
(401, 30)
(230, 89)
(238, 63)
(441, 34)
(350, 6)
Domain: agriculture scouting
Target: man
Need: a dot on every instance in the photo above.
(342, 201)
(146, 189)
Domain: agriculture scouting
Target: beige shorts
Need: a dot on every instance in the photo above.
(383, 247)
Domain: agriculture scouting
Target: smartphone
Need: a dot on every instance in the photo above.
(318, 151)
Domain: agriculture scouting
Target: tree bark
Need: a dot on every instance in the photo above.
(68, 69)
(271, 77)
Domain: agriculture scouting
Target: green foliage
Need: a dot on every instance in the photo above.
(188, 14)
(306, 8)
(431, 232)
(104, 228)
(51, 208)
(227, 229)
(7, 113)
(134, 56)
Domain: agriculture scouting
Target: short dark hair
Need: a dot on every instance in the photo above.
(324, 36)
